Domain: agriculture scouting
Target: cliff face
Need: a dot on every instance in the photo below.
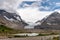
(51, 22)
(11, 20)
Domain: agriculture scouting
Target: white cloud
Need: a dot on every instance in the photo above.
(36, 4)
(58, 4)
(57, 10)
(26, 5)
(9, 5)
(46, 7)
(32, 0)
(32, 14)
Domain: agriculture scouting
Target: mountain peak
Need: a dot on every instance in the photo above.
(55, 13)
(11, 20)
(51, 22)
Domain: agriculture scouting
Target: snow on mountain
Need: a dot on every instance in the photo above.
(11, 20)
(51, 22)
(10, 16)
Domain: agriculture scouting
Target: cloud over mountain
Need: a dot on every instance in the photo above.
(9, 5)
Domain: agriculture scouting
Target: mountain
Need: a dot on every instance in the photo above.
(51, 22)
(11, 20)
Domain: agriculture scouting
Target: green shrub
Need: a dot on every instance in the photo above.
(56, 38)
(42, 34)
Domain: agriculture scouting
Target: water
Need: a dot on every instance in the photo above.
(28, 34)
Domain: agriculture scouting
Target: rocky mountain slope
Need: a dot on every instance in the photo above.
(51, 22)
(11, 20)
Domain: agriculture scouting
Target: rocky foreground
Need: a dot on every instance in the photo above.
(33, 38)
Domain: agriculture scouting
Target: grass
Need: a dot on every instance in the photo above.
(56, 38)
(16, 36)
(41, 34)
(5, 31)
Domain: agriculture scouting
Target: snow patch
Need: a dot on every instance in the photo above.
(9, 19)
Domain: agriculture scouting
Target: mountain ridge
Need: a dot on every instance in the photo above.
(51, 22)
(10, 20)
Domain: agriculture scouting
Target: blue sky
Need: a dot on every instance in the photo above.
(51, 5)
